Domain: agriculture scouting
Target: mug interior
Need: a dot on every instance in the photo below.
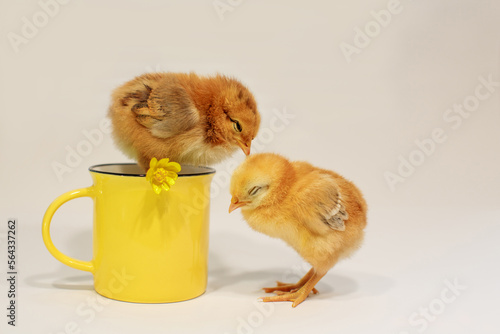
(132, 169)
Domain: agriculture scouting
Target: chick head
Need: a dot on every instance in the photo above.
(240, 118)
(261, 180)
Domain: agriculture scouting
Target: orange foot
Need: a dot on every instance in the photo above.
(281, 287)
(296, 297)
(297, 292)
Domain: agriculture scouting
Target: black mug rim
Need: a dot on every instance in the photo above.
(207, 170)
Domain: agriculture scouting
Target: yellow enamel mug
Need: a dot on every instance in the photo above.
(147, 247)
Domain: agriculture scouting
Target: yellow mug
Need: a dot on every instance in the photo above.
(147, 247)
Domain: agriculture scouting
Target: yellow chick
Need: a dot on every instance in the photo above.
(316, 211)
(190, 119)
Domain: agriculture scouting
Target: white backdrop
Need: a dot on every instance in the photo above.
(402, 97)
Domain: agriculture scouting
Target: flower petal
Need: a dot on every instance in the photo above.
(153, 162)
(156, 189)
(163, 163)
(174, 167)
(149, 174)
(172, 175)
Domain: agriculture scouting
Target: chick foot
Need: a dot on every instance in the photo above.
(296, 297)
(295, 293)
(292, 287)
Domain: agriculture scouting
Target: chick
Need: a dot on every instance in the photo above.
(187, 118)
(316, 211)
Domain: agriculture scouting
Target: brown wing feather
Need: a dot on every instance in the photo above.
(166, 110)
(337, 214)
(320, 196)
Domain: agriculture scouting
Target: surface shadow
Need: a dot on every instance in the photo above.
(64, 277)
(223, 276)
(53, 280)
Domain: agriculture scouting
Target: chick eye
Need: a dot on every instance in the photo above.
(254, 190)
(237, 126)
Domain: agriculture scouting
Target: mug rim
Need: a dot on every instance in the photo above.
(208, 170)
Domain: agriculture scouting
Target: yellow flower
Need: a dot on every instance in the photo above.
(162, 174)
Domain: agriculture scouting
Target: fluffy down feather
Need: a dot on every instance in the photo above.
(190, 119)
(316, 211)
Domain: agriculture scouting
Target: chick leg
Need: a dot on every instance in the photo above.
(292, 287)
(301, 294)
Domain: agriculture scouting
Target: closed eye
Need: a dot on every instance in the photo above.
(236, 125)
(254, 190)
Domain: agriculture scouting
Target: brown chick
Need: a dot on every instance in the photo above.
(316, 211)
(187, 118)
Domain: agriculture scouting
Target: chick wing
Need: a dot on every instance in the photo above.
(321, 202)
(164, 107)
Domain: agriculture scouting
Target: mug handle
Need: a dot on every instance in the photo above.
(69, 261)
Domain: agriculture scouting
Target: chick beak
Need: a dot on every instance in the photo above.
(235, 204)
(244, 147)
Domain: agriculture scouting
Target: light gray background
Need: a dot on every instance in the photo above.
(358, 115)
